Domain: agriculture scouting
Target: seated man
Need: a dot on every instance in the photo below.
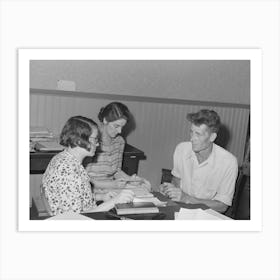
(203, 172)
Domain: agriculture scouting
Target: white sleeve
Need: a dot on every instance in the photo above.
(177, 156)
(227, 187)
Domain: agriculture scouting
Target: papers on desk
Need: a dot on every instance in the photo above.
(199, 214)
(37, 132)
(70, 215)
(41, 139)
(48, 146)
(139, 192)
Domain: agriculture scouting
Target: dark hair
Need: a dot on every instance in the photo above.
(207, 117)
(76, 132)
(114, 111)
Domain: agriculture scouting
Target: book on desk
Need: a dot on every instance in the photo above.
(136, 208)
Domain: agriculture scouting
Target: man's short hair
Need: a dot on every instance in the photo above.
(207, 117)
(76, 132)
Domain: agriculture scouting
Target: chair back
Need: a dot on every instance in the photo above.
(239, 186)
(166, 175)
(42, 205)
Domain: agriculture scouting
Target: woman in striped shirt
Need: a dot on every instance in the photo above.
(105, 170)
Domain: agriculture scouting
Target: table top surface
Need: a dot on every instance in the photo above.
(165, 213)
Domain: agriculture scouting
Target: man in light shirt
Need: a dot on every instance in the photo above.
(203, 172)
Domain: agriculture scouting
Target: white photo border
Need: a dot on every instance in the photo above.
(24, 57)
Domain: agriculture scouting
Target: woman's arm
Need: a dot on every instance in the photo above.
(108, 184)
(120, 152)
(216, 205)
(124, 196)
(121, 175)
(177, 194)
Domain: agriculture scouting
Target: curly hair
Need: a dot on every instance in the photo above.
(76, 132)
(207, 117)
(114, 111)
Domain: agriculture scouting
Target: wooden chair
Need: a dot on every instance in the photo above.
(166, 175)
(241, 180)
(42, 205)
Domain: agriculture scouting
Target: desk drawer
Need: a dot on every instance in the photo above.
(38, 165)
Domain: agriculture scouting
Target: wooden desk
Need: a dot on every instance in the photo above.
(40, 160)
(168, 211)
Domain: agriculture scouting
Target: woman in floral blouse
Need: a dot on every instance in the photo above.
(66, 184)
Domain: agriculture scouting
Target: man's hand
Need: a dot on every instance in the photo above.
(162, 188)
(171, 191)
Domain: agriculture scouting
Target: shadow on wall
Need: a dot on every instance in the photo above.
(223, 137)
(130, 126)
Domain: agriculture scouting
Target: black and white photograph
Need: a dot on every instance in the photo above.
(141, 139)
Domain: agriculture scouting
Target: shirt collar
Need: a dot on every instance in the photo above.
(210, 160)
(212, 156)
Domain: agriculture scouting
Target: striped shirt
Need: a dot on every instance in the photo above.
(108, 161)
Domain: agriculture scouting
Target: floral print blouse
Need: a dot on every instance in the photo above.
(66, 185)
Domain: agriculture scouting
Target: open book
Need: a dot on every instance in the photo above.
(139, 192)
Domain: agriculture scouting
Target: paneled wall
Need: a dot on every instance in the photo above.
(158, 128)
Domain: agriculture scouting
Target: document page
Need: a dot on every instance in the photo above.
(199, 214)
(69, 216)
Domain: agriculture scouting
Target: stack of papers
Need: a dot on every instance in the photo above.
(139, 192)
(42, 139)
(38, 133)
(199, 214)
(154, 200)
(142, 195)
(48, 146)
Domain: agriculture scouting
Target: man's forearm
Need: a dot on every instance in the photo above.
(176, 182)
(213, 204)
(106, 184)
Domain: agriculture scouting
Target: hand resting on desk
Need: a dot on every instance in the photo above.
(174, 193)
(125, 196)
(171, 191)
(135, 181)
(106, 195)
